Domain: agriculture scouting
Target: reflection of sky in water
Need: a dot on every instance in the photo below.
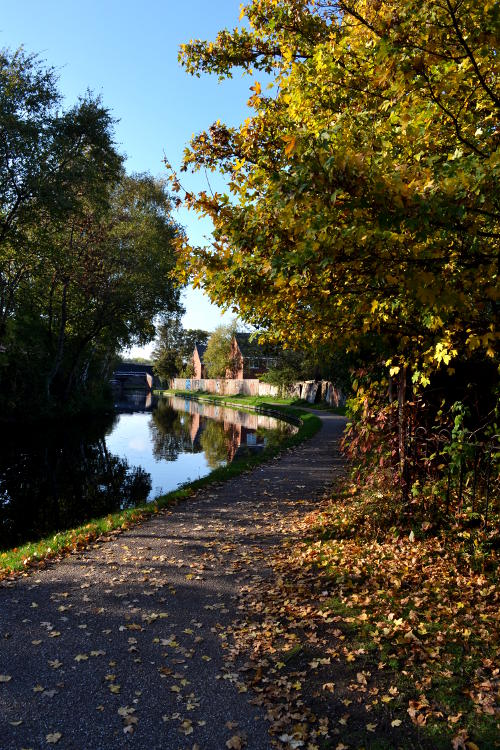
(131, 439)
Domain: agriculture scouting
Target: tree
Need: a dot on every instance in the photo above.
(49, 161)
(362, 196)
(86, 252)
(361, 200)
(175, 345)
(218, 354)
(109, 281)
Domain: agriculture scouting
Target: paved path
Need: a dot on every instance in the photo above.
(123, 645)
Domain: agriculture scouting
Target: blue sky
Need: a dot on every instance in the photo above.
(127, 52)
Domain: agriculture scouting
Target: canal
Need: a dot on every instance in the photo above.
(57, 476)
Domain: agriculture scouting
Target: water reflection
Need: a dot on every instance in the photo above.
(171, 432)
(58, 476)
(133, 400)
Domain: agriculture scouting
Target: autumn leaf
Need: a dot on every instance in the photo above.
(236, 743)
(290, 144)
(53, 738)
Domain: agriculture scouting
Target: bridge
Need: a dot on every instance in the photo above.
(134, 375)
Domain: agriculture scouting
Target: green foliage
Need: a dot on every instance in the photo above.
(318, 363)
(86, 252)
(218, 354)
(361, 193)
(174, 347)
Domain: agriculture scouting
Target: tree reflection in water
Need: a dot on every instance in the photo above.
(58, 477)
(216, 443)
(172, 432)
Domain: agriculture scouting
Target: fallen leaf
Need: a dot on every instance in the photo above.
(53, 737)
(235, 743)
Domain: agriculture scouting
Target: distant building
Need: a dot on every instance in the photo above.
(199, 367)
(250, 358)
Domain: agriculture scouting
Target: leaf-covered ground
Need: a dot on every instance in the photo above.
(370, 636)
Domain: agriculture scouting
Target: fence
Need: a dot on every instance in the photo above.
(309, 390)
(250, 387)
(469, 468)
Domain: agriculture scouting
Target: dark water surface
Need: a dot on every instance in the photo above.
(58, 476)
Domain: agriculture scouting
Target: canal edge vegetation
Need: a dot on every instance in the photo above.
(243, 402)
(33, 555)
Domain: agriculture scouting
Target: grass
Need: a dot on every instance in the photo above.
(34, 554)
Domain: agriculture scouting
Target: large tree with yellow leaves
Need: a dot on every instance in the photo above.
(363, 192)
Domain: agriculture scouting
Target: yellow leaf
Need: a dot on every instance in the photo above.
(290, 141)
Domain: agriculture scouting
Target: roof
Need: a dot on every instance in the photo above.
(251, 348)
(134, 367)
(201, 349)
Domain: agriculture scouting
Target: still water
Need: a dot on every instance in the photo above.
(58, 476)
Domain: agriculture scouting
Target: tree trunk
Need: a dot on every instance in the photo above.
(402, 419)
(60, 341)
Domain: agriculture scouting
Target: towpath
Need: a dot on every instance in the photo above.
(124, 645)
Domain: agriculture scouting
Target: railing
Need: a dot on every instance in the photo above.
(469, 466)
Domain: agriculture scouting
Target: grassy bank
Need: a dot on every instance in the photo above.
(33, 554)
(258, 401)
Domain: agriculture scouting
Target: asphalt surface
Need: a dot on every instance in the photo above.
(123, 645)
